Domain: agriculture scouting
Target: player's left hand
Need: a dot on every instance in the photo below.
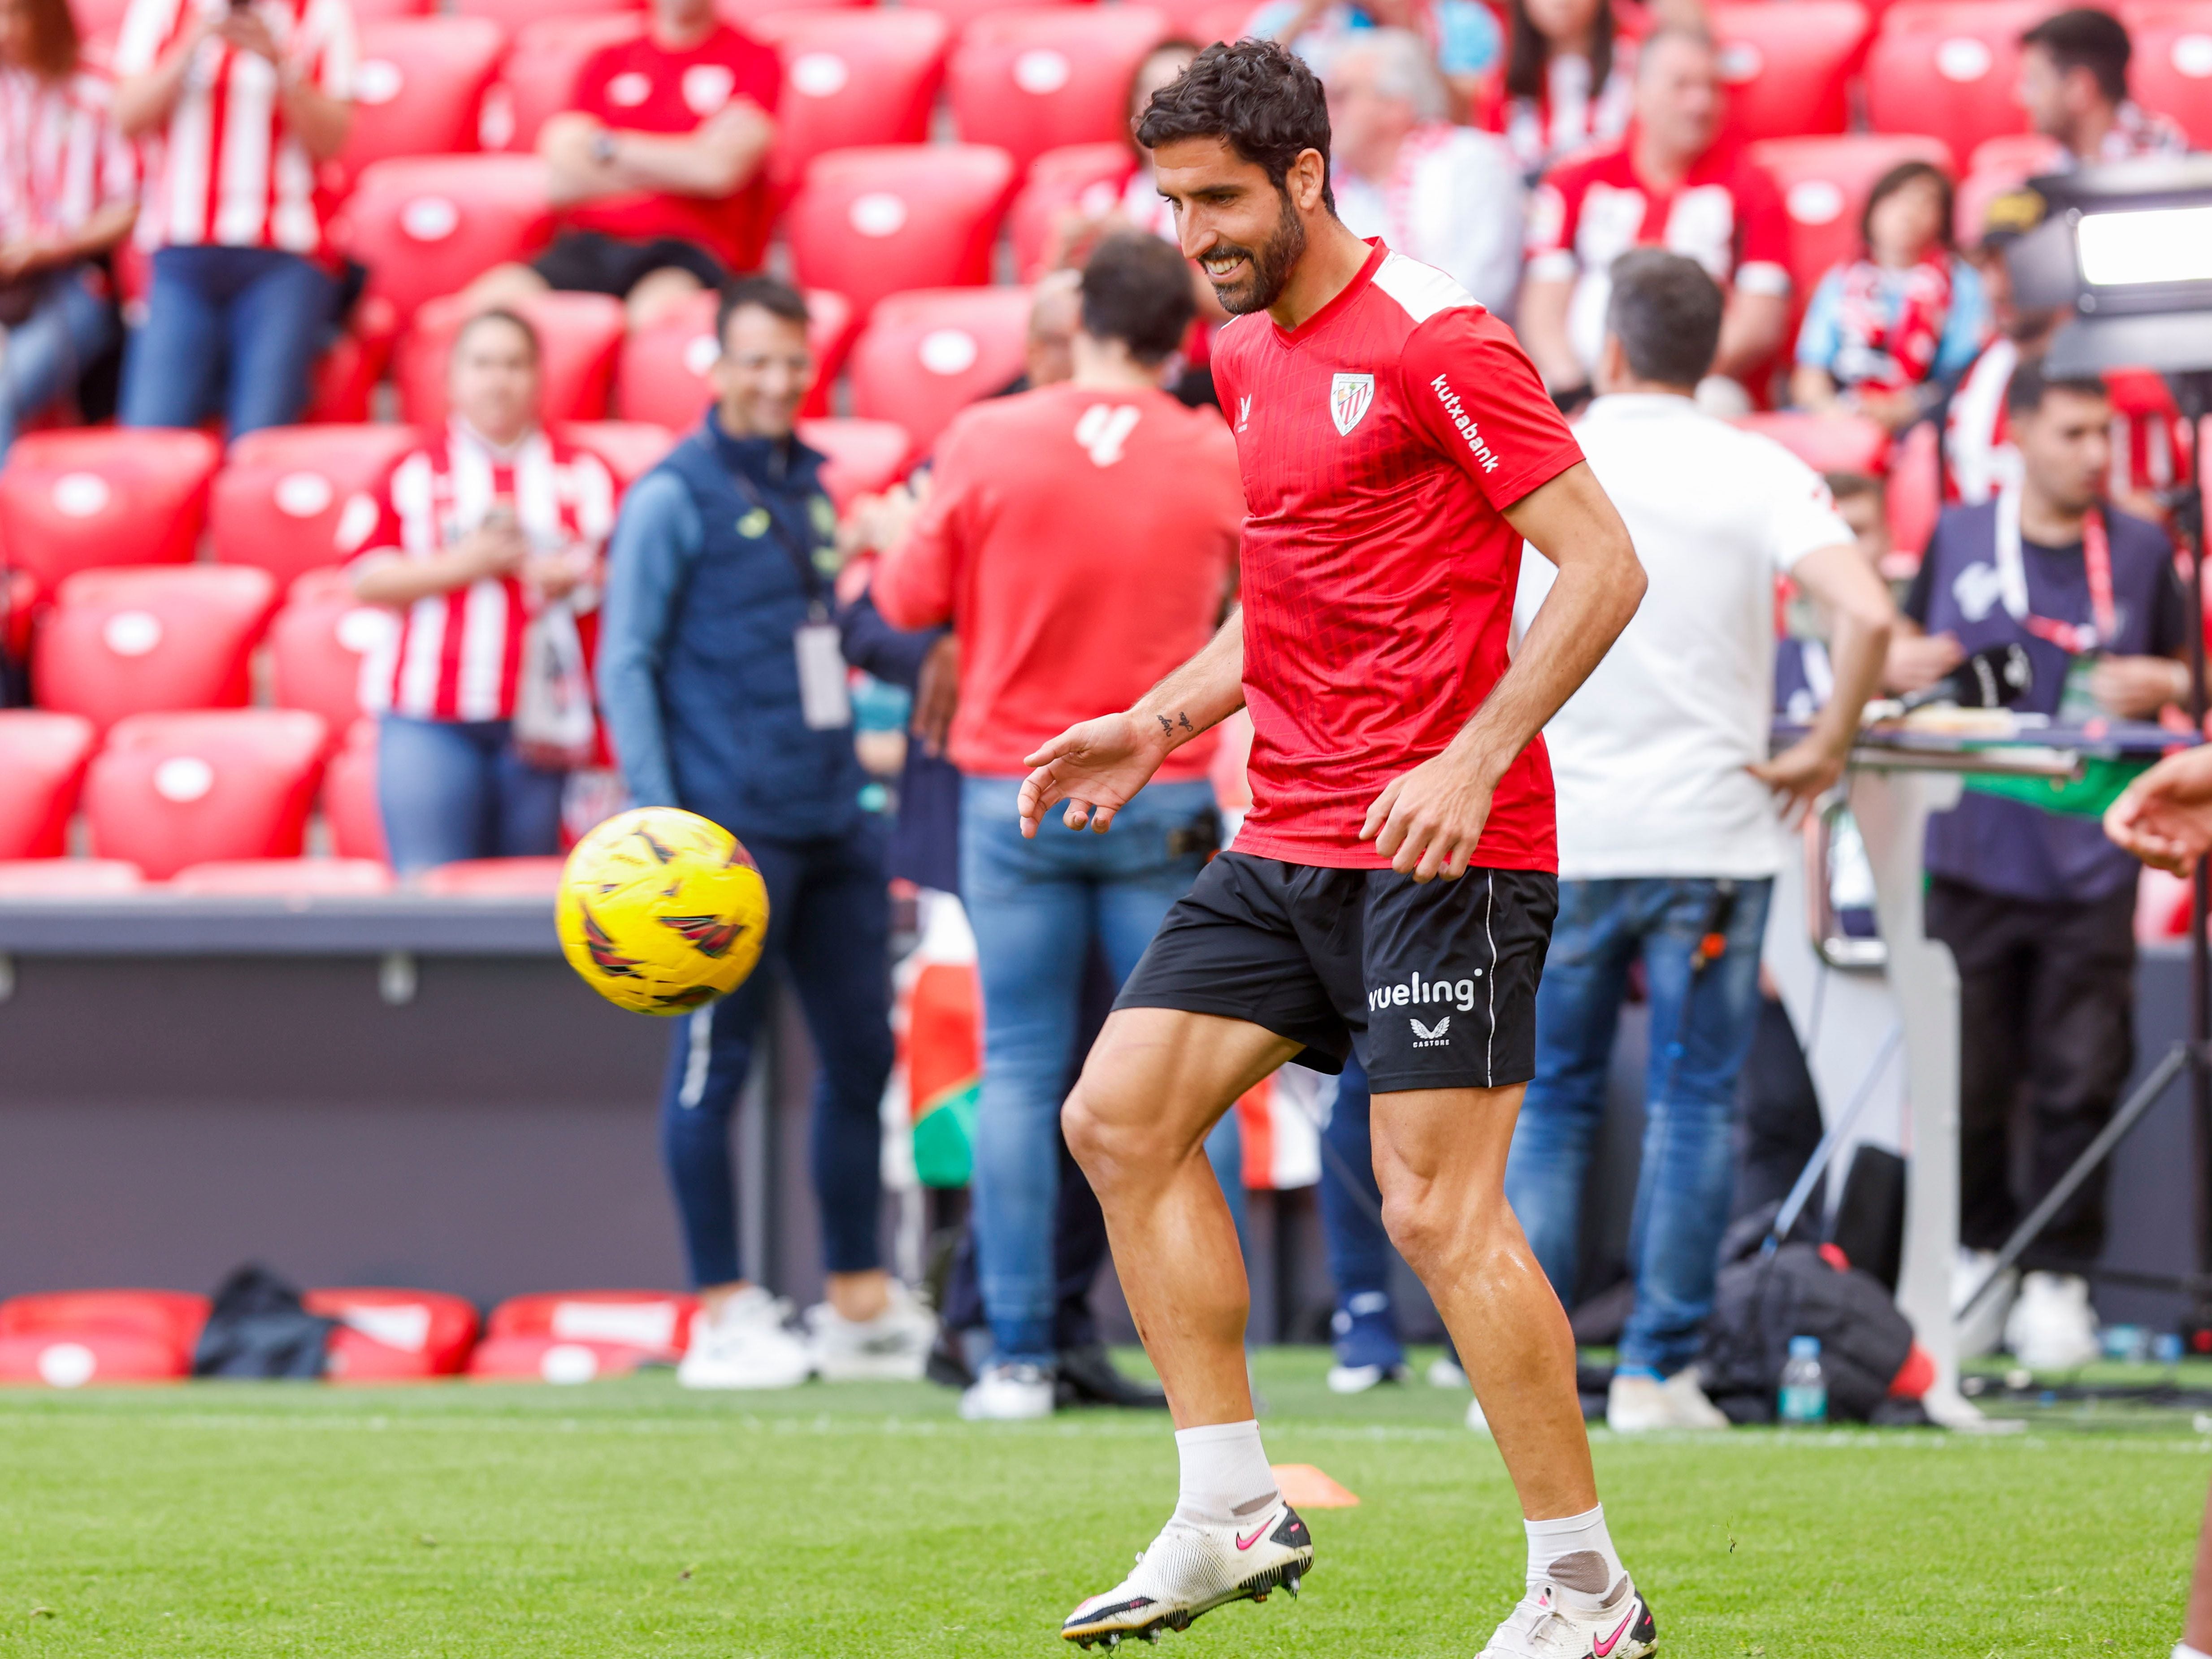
(1800, 773)
(2165, 816)
(1428, 821)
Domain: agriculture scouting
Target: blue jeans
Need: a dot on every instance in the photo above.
(829, 928)
(1702, 1022)
(44, 355)
(1035, 907)
(456, 789)
(234, 327)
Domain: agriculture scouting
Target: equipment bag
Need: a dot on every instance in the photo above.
(259, 1328)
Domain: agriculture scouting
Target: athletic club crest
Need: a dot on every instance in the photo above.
(1348, 397)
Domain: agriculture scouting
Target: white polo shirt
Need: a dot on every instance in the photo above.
(1648, 757)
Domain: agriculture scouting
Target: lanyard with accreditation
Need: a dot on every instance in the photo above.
(825, 701)
(2076, 639)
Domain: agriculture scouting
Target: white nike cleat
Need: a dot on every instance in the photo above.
(892, 1348)
(1559, 1623)
(1192, 1569)
(744, 1345)
(1009, 1394)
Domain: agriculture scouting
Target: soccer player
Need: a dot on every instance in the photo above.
(1395, 878)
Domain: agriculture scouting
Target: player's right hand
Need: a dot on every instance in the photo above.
(2165, 816)
(1095, 768)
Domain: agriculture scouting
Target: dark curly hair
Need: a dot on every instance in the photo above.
(1257, 97)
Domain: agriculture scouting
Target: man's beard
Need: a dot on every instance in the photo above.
(1270, 265)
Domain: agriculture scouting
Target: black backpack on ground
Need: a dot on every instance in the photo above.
(259, 1328)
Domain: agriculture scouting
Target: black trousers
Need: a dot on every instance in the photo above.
(2046, 1011)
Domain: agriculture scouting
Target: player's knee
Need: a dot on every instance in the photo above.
(1111, 1147)
(1430, 1224)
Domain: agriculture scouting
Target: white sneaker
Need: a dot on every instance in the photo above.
(1191, 1569)
(1559, 1623)
(892, 1348)
(2052, 1328)
(745, 1345)
(1008, 1393)
(1443, 1374)
(1983, 1331)
(1357, 1379)
(1636, 1404)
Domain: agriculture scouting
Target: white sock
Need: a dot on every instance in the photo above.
(1225, 1477)
(1575, 1551)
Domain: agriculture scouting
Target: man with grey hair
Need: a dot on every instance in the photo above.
(1670, 838)
(1449, 196)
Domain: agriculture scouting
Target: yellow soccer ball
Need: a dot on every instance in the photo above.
(661, 911)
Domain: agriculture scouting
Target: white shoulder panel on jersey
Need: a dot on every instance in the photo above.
(1420, 291)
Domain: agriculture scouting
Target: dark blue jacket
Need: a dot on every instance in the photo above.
(698, 676)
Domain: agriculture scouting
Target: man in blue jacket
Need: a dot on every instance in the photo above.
(725, 693)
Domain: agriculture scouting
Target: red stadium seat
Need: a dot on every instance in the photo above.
(70, 501)
(74, 1359)
(1086, 180)
(346, 376)
(962, 13)
(869, 222)
(2023, 154)
(926, 355)
(657, 1321)
(427, 225)
(536, 81)
(1786, 70)
(663, 375)
(418, 91)
(581, 335)
(136, 639)
(19, 604)
(68, 878)
(390, 1335)
(316, 645)
(376, 11)
(513, 15)
(1915, 496)
(1206, 21)
(1033, 80)
(853, 77)
(553, 1359)
(521, 878)
(630, 448)
(349, 806)
(1826, 443)
(866, 457)
(173, 1318)
(748, 15)
(278, 500)
(43, 756)
(1949, 69)
(174, 790)
(284, 878)
(2170, 71)
(1824, 184)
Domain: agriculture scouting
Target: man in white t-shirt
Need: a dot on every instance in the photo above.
(1669, 809)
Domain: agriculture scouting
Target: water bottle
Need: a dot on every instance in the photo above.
(1804, 1385)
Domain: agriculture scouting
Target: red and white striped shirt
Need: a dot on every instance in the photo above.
(2150, 441)
(457, 656)
(61, 158)
(227, 169)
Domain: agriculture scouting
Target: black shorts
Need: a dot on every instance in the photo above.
(586, 262)
(1436, 980)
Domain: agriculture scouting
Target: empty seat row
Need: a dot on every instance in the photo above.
(74, 1339)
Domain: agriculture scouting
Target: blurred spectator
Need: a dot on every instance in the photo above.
(1461, 35)
(1570, 81)
(1667, 814)
(2074, 85)
(1888, 333)
(725, 692)
(1048, 348)
(1804, 675)
(1139, 500)
(486, 541)
(1674, 182)
(2039, 909)
(657, 169)
(68, 190)
(1447, 195)
(245, 101)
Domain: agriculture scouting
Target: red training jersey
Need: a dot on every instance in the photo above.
(636, 85)
(1080, 540)
(1381, 441)
(458, 655)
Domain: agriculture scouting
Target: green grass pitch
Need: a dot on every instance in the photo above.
(629, 1517)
